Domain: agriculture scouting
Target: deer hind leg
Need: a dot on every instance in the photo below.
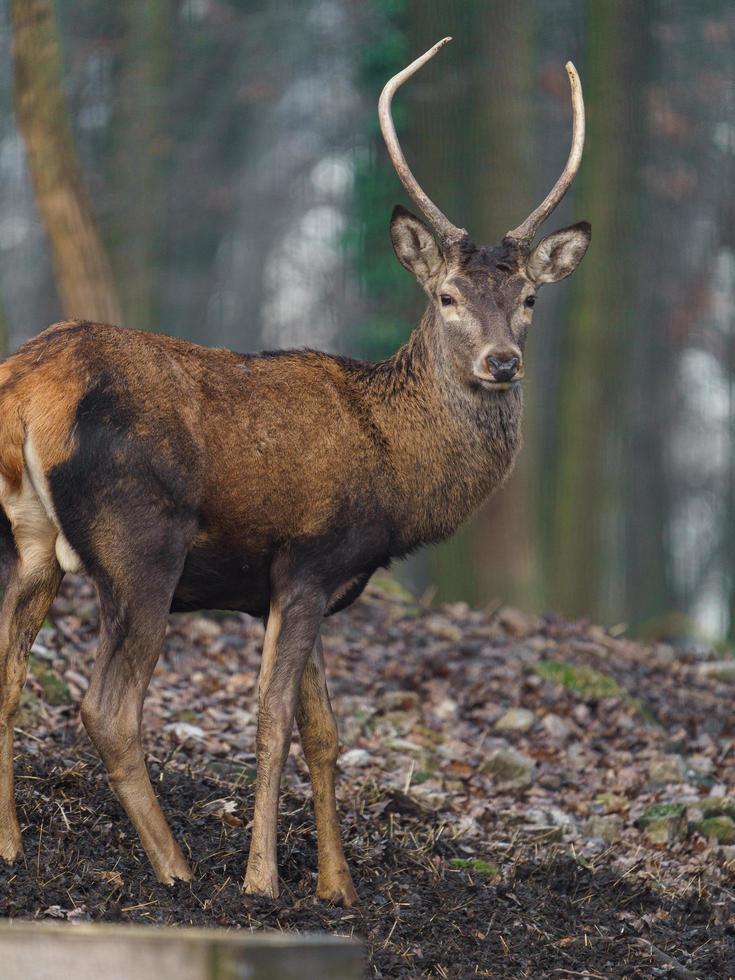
(32, 583)
(134, 606)
(318, 730)
(293, 624)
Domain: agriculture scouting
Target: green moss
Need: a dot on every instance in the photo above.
(659, 811)
(721, 829)
(476, 865)
(591, 685)
(55, 688)
(29, 711)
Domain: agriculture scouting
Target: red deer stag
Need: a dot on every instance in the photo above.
(179, 477)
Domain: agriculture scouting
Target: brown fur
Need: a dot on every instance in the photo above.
(182, 477)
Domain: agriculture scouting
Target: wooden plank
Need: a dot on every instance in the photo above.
(86, 951)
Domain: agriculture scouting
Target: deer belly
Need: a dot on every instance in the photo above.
(216, 576)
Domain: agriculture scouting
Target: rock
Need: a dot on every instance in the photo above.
(354, 758)
(664, 769)
(544, 817)
(608, 827)
(555, 726)
(30, 711)
(699, 765)
(516, 720)
(447, 709)
(399, 701)
(610, 803)
(720, 829)
(514, 621)
(510, 768)
(664, 823)
(55, 689)
(589, 684)
(711, 806)
(721, 670)
(183, 730)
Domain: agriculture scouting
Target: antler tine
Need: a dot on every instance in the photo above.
(442, 225)
(527, 230)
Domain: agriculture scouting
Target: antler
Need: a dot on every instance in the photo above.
(527, 230)
(442, 225)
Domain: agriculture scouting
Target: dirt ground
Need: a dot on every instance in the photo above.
(519, 798)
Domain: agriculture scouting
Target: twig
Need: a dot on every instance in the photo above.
(679, 971)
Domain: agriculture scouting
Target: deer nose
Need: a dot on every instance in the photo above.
(503, 367)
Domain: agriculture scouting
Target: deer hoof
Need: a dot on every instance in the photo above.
(10, 844)
(264, 885)
(338, 892)
(176, 870)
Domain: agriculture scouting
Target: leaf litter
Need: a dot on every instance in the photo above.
(519, 797)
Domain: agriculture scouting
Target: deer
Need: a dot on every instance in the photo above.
(179, 477)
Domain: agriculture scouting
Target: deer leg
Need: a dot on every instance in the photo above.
(318, 730)
(290, 636)
(130, 643)
(135, 585)
(28, 596)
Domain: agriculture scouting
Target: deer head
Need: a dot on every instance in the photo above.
(483, 295)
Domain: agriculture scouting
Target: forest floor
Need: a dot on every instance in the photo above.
(519, 797)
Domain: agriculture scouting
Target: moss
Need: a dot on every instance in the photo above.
(591, 685)
(391, 586)
(660, 811)
(29, 711)
(721, 829)
(55, 688)
(476, 865)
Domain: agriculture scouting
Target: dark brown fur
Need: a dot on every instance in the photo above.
(183, 477)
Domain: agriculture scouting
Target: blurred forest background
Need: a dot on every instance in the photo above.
(213, 169)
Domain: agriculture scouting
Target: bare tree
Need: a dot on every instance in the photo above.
(83, 275)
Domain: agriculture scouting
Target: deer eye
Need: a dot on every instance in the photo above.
(446, 299)
(529, 301)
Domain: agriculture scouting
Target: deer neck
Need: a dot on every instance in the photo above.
(450, 444)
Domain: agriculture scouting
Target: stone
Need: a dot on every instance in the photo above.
(514, 621)
(664, 769)
(354, 758)
(610, 803)
(720, 829)
(516, 720)
(664, 823)
(700, 765)
(183, 730)
(711, 806)
(510, 767)
(608, 827)
(55, 689)
(555, 727)
(721, 670)
(399, 701)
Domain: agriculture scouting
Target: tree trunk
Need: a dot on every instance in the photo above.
(584, 485)
(140, 147)
(83, 276)
(504, 532)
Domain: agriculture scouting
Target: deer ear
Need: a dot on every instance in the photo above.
(558, 255)
(414, 245)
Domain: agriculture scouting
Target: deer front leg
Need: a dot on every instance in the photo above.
(318, 730)
(289, 639)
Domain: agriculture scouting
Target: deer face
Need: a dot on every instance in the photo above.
(484, 296)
